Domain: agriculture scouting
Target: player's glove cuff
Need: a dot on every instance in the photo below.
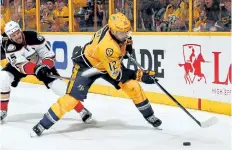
(147, 77)
(42, 72)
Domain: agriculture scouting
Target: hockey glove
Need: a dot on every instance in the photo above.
(129, 48)
(147, 77)
(42, 72)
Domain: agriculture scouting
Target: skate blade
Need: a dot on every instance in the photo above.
(158, 128)
(2, 122)
(33, 134)
(89, 121)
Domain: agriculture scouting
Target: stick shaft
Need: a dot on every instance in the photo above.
(60, 77)
(166, 92)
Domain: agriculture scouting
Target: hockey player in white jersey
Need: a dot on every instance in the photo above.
(28, 53)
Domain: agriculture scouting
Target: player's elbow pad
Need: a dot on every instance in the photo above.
(28, 68)
(49, 62)
(125, 75)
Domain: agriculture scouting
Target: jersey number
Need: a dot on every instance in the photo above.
(112, 65)
(12, 59)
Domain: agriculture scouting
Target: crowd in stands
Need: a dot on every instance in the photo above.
(173, 15)
(91, 15)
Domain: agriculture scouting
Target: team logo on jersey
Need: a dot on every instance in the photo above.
(81, 87)
(39, 37)
(11, 47)
(109, 52)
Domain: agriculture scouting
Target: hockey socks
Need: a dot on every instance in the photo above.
(85, 114)
(4, 100)
(49, 119)
(145, 108)
(79, 107)
(148, 113)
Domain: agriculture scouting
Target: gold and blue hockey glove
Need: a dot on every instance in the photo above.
(147, 77)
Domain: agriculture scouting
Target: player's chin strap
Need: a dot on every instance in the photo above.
(211, 121)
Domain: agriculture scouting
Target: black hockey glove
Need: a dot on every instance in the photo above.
(147, 77)
(42, 72)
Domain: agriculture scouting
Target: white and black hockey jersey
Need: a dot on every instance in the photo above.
(34, 49)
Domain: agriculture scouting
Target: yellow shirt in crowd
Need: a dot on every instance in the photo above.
(181, 13)
(2, 25)
(61, 16)
(79, 3)
(5, 15)
(30, 19)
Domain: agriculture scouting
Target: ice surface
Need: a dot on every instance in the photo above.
(119, 125)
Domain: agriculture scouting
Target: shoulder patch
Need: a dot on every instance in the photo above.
(40, 37)
(109, 52)
(11, 47)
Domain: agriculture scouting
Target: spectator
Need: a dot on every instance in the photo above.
(2, 23)
(214, 16)
(176, 15)
(11, 10)
(61, 15)
(77, 7)
(101, 14)
(5, 12)
(55, 28)
(47, 19)
(89, 19)
(150, 15)
(30, 15)
(77, 4)
(125, 7)
(51, 5)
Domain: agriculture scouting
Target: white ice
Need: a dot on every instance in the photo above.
(119, 125)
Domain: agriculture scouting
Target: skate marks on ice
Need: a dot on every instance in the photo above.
(95, 125)
(110, 124)
(116, 130)
(31, 116)
(24, 117)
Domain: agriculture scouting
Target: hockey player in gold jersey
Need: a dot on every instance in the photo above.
(102, 58)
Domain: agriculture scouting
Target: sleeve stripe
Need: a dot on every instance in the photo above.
(48, 61)
(47, 47)
(119, 77)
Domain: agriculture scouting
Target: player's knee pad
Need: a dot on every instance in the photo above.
(133, 89)
(63, 105)
(6, 79)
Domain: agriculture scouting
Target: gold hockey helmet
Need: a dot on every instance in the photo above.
(119, 22)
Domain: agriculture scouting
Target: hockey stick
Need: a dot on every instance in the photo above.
(87, 73)
(60, 77)
(211, 121)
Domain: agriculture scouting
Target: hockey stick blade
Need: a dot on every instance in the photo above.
(210, 122)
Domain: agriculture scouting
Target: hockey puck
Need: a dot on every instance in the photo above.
(186, 143)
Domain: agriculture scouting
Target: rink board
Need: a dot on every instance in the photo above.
(197, 70)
